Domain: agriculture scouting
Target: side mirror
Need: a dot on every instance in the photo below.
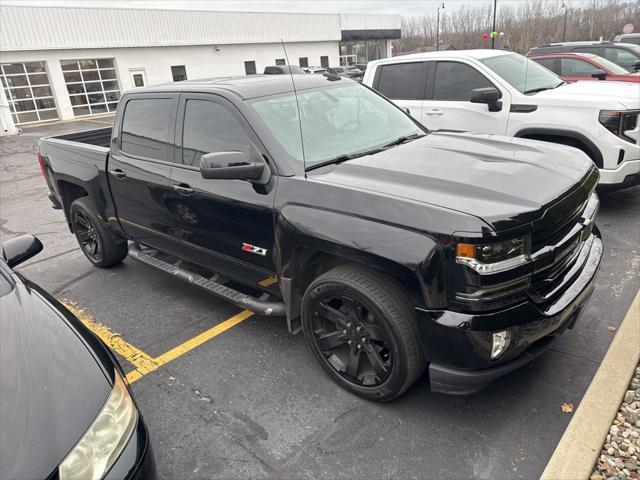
(599, 74)
(406, 110)
(488, 95)
(230, 165)
(20, 249)
(636, 66)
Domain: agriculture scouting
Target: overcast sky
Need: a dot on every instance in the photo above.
(402, 7)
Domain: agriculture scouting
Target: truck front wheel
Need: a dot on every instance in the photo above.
(97, 244)
(360, 326)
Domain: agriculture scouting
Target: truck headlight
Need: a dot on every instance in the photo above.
(494, 257)
(102, 444)
(623, 123)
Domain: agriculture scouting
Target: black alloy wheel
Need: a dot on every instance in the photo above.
(359, 324)
(87, 235)
(99, 244)
(352, 341)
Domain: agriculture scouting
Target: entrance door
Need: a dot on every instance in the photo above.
(138, 77)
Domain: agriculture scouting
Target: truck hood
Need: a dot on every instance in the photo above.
(598, 93)
(52, 385)
(503, 181)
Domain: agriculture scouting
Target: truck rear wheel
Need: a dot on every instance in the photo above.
(360, 326)
(97, 244)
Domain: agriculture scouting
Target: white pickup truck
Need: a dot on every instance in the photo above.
(501, 92)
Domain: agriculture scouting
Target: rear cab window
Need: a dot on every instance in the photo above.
(402, 81)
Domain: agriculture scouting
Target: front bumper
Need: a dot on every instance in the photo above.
(458, 345)
(624, 175)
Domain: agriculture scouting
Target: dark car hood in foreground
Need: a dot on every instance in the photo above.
(495, 178)
(51, 384)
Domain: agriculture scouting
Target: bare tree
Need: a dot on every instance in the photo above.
(525, 25)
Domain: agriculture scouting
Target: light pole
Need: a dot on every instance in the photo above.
(564, 26)
(438, 28)
(493, 38)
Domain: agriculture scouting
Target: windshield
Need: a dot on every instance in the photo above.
(609, 65)
(336, 121)
(523, 74)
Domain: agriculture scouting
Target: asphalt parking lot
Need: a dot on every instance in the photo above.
(227, 394)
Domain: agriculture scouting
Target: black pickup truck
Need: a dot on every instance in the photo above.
(391, 247)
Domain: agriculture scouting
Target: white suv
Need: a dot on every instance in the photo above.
(494, 91)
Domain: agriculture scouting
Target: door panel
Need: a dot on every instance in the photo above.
(215, 219)
(448, 107)
(140, 168)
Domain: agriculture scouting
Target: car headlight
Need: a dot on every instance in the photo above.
(623, 124)
(102, 444)
(494, 257)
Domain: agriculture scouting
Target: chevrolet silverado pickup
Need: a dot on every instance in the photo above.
(312, 197)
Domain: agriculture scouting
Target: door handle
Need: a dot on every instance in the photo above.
(434, 112)
(183, 189)
(117, 173)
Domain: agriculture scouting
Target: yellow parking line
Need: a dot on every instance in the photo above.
(142, 362)
(267, 281)
(202, 338)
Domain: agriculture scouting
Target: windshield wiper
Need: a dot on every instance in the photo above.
(541, 89)
(403, 139)
(342, 158)
(351, 156)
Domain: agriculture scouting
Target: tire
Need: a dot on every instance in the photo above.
(349, 297)
(93, 235)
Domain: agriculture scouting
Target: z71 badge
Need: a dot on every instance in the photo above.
(253, 249)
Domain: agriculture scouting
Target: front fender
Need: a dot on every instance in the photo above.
(413, 257)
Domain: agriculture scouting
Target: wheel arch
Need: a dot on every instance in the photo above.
(569, 137)
(328, 239)
(69, 192)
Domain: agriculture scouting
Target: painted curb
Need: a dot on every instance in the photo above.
(581, 443)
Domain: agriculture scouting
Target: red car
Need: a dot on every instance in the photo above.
(573, 67)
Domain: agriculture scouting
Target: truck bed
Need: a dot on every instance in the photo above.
(100, 137)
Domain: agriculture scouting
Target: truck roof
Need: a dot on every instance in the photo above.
(246, 87)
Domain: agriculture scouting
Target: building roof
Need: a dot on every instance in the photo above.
(46, 28)
(252, 86)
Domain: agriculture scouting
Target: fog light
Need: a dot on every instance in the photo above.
(501, 341)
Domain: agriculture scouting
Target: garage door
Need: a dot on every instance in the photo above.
(28, 92)
(92, 84)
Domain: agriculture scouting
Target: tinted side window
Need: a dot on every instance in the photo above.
(145, 128)
(402, 81)
(572, 67)
(547, 63)
(209, 127)
(622, 57)
(454, 81)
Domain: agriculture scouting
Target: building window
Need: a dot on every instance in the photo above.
(362, 52)
(28, 92)
(138, 80)
(324, 61)
(303, 62)
(92, 85)
(250, 68)
(179, 73)
(280, 61)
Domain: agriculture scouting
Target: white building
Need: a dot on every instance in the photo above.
(70, 62)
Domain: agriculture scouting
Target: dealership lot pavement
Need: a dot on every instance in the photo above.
(250, 401)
